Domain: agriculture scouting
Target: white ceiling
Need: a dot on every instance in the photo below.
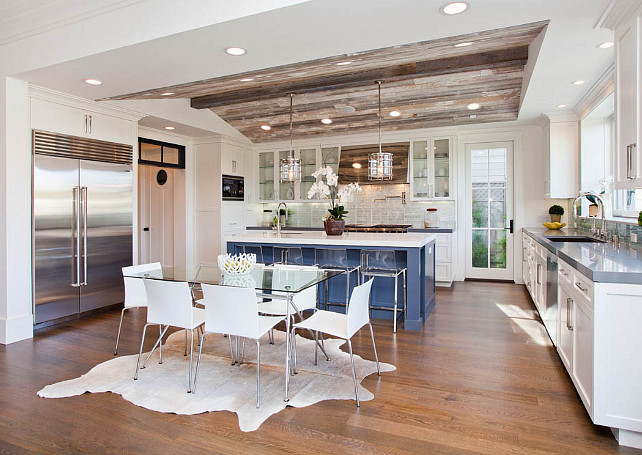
(323, 28)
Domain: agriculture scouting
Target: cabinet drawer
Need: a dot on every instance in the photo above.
(564, 272)
(443, 271)
(583, 287)
(443, 253)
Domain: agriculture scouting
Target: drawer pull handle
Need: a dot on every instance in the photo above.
(569, 302)
(564, 272)
(579, 286)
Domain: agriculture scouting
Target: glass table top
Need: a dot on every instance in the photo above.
(263, 278)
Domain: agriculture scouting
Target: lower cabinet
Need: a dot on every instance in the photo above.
(444, 259)
(564, 327)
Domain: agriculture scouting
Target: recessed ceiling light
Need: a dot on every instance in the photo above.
(472, 116)
(235, 51)
(326, 121)
(454, 8)
(473, 106)
(348, 109)
(167, 93)
(170, 128)
(605, 44)
(343, 63)
(395, 114)
(464, 44)
(356, 165)
(578, 82)
(93, 81)
(560, 106)
(247, 79)
(266, 127)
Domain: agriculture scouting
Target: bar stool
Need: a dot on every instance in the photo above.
(383, 263)
(336, 259)
(287, 255)
(252, 249)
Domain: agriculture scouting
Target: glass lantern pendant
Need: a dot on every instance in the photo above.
(380, 163)
(290, 167)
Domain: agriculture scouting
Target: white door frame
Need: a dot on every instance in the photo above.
(473, 272)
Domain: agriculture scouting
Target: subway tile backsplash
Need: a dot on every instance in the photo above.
(371, 206)
(622, 229)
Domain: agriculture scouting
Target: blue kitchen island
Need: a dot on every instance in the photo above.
(414, 251)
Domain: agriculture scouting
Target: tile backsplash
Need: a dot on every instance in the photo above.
(376, 204)
(621, 228)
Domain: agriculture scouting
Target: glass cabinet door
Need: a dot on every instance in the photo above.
(420, 172)
(441, 170)
(266, 176)
(286, 190)
(308, 166)
(330, 157)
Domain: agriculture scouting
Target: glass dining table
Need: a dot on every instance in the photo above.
(269, 281)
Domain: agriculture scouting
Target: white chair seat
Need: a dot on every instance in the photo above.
(267, 323)
(335, 324)
(275, 307)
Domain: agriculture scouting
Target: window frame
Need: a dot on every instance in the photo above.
(162, 144)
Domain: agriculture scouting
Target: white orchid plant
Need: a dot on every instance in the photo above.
(329, 189)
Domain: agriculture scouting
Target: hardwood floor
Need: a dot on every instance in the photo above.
(481, 377)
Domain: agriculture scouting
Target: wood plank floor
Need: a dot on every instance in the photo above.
(481, 377)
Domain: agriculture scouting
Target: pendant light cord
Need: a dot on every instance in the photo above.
(379, 82)
(291, 148)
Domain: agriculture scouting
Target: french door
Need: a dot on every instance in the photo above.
(489, 210)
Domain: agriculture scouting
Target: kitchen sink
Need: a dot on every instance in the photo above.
(578, 239)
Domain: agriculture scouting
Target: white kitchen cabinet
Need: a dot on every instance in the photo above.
(444, 259)
(562, 155)
(267, 175)
(231, 159)
(583, 350)
(540, 279)
(564, 324)
(430, 168)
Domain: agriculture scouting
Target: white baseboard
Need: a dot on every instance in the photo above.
(16, 329)
(628, 438)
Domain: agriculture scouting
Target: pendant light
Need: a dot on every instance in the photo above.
(380, 163)
(290, 167)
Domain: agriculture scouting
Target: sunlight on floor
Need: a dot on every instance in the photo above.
(526, 322)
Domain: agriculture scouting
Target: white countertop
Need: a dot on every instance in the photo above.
(367, 239)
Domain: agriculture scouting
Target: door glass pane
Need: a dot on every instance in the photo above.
(266, 176)
(441, 150)
(286, 190)
(497, 249)
(420, 169)
(170, 155)
(308, 166)
(150, 152)
(480, 207)
(497, 208)
(480, 249)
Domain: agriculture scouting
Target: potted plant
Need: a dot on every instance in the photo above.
(556, 212)
(640, 218)
(333, 222)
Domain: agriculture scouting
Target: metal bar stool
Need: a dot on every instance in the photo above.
(336, 259)
(252, 249)
(383, 263)
(287, 255)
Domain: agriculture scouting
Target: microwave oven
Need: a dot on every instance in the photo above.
(233, 188)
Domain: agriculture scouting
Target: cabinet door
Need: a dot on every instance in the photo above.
(540, 285)
(266, 176)
(231, 160)
(441, 156)
(286, 190)
(57, 118)
(109, 128)
(308, 166)
(421, 176)
(565, 327)
(582, 317)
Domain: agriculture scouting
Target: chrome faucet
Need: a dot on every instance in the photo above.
(278, 217)
(596, 232)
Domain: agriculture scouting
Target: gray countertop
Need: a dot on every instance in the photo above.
(439, 230)
(600, 262)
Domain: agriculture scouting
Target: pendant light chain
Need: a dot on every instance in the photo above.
(291, 147)
(379, 82)
(290, 167)
(380, 163)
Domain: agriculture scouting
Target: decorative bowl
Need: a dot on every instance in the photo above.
(238, 264)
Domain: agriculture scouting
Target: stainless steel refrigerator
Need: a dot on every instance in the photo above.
(82, 223)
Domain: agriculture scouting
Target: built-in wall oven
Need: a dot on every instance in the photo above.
(233, 188)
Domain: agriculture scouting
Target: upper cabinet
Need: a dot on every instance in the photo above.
(430, 168)
(562, 155)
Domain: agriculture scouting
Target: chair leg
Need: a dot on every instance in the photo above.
(316, 348)
(293, 342)
(185, 353)
(160, 344)
(229, 337)
(140, 353)
(198, 361)
(258, 374)
(354, 374)
(242, 353)
(271, 336)
(191, 360)
(394, 324)
(375, 349)
(120, 325)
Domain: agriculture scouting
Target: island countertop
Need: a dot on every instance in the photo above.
(360, 239)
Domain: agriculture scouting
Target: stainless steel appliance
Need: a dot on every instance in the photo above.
(82, 223)
(383, 228)
(549, 318)
(233, 188)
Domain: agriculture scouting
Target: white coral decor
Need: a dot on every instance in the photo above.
(236, 264)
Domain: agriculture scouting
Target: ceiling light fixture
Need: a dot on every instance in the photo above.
(266, 127)
(348, 109)
(560, 106)
(395, 114)
(606, 44)
(454, 8)
(343, 63)
(93, 82)
(235, 51)
(380, 163)
(326, 121)
(464, 44)
(167, 93)
(290, 167)
(473, 106)
(578, 82)
(247, 79)
(356, 165)
(170, 128)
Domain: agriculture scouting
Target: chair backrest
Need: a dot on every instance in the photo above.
(230, 310)
(252, 249)
(331, 257)
(287, 255)
(358, 307)
(169, 303)
(306, 299)
(378, 259)
(135, 295)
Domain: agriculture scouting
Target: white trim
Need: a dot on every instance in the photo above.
(16, 328)
(597, 93)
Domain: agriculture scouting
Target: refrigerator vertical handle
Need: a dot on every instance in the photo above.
(76, 238)
(83, 195)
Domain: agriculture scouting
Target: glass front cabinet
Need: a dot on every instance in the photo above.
(430, 173)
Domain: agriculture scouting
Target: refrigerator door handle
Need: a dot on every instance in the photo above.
(76, 238)
(83, 196)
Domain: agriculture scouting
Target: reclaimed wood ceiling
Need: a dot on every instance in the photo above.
(430, 83)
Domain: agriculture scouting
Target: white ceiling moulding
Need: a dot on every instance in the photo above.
(600, 90)
(616, 12)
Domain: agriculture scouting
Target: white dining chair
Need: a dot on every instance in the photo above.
(344, 326)
(233, 311)
(170, 304)
(135, 295)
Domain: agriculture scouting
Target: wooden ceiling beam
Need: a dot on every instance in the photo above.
(457, 64)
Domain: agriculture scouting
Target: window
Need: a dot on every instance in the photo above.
(163, 154)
